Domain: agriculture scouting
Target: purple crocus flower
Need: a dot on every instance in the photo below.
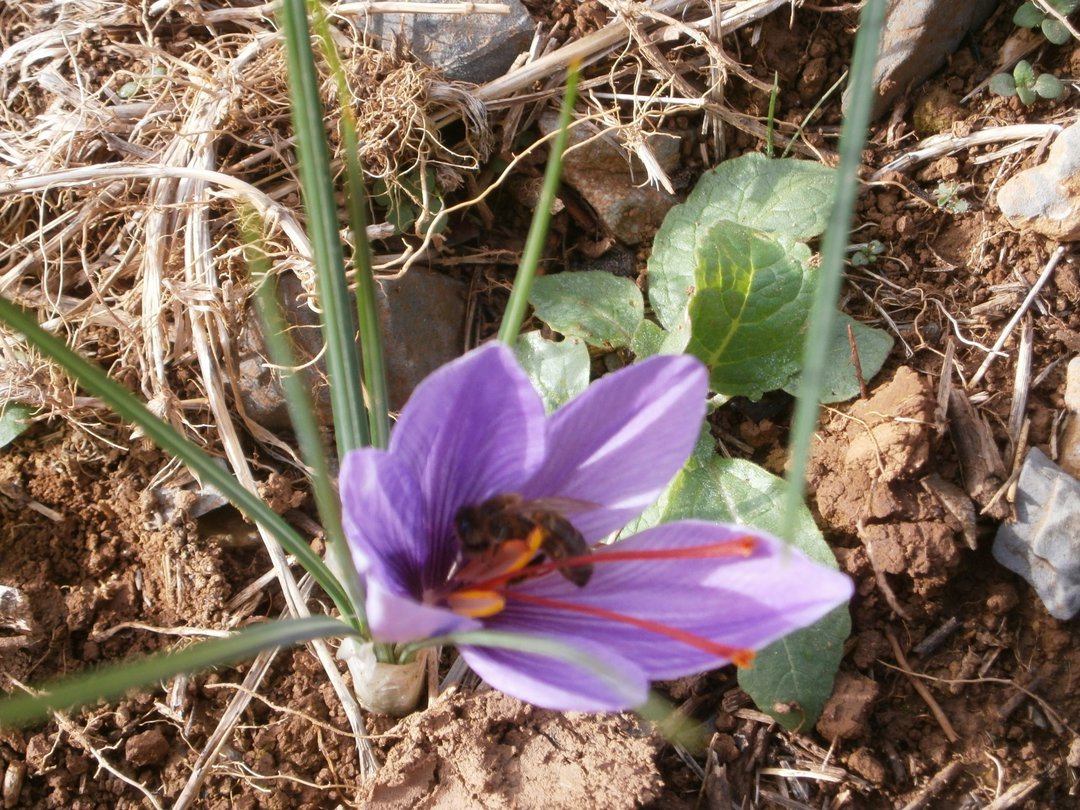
(674, 600)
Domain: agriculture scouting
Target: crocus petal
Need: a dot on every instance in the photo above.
(473, 429)
(383, 517)
(555, 684)
(738, 601)
(621, 442)
(395, 618)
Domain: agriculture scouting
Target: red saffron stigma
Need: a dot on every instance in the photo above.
(739, 656)
(739, 547)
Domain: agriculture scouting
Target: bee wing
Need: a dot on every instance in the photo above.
(562, 506)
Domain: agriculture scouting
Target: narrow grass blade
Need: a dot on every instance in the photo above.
(339, 325)
(534, 243)
(173, 442)
(114, 680)
(824, 312)
(371, 343)
(302, 415)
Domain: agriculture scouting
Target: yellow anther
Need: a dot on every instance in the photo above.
(476, 604)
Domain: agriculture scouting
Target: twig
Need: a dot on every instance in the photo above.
(1021, 381)
(924, 693)
(863, 393)
(1014, 795)
(942, 779)
(995, 350)
(947, 143)
(933, 641)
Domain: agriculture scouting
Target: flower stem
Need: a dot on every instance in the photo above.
(534, 243)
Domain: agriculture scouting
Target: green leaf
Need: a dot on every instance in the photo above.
(840, 381)
(798, 670)
(600, 308)
(13, 422)
(559, 371)
(1027, 94)
(1049, 86)
(650, 339)
(784, 197)
(1054, 31)
(112, 681)
(792, 678)
(1003, 84)
(1065, 7)
(1028, 16)
(750, 309)
(1024, 74)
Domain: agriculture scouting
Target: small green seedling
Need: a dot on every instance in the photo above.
(866, 253)
(1024, 83)
(1030, 15)
(948, 198)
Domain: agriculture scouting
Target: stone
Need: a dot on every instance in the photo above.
(846, 714)
(918, 36)
(148, 748)
(615, 184)
(422, 315)
(1069, 456)
(1046, 198)
(1043, 545)
(471, 47)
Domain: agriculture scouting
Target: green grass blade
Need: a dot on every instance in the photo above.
(109, 682)
(538, 228)
(173, 442)
(374, 359)
(302, 414)
(834, 245)
(339, 325)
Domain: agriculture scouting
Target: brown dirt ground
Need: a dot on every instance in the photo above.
(81, 534)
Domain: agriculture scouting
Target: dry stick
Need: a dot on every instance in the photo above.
(863, 393)
(924, 693)
(1022, 381)
(938, 145)
(1015, 795)
(995, 350)
(941, 780)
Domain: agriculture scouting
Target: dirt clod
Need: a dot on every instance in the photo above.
(150, 747)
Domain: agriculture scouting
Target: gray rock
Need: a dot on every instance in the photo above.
(614, 185)
(918, 36)
(470, 47)
(1043, 546)
(422, 316)
(1046, 198)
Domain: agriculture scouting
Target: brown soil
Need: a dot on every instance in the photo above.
(111, 570)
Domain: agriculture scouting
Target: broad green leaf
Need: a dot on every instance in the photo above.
(789, 198)
(792, 678)
(650, 339)
(1003, 84)
(1024, 74)
(1027, 94)
(559, 371)
(1048, 86)
(750, 309)
(1054, 31)
(600, 308)
(112, 681)
(798, 670)
(14, 420)
(1028, 16)
(840, 381)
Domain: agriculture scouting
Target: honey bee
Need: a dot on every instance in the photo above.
(483, 528)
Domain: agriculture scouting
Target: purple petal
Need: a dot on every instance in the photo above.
(395, 618)
(740, 602)
(473, 429)
(554, 684)
(621, 442)
(384, 521)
